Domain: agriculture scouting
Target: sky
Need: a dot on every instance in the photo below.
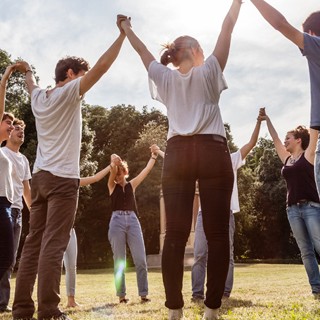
(264, 69)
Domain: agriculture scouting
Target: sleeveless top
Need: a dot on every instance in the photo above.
(300, 181)
(123, 198)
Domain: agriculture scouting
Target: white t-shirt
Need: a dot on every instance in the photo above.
(20, 173)
(237, 162)
(6, 184)
(59, 124)
(192, 99)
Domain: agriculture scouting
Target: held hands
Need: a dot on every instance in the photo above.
(123, 22)
(262, 114)
(11, 68)
(23, 67)
(115, 160)
(154, 150)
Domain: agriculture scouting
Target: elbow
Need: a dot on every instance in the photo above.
(280, 24)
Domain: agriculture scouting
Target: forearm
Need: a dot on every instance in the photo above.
(272, 130)
(252, 142)
(95, 178)
(272, 15)
(231, 17)
(106, 60)
(139, 47)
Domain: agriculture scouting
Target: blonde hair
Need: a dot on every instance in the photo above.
(178, 50)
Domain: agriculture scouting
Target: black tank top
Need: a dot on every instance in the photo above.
(123, 198)
(300, 181)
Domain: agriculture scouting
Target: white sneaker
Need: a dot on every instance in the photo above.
(175, 314)
(210, 314)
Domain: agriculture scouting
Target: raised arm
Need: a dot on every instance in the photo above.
(95, 178)
(114, 162)
(3, 88)
(145, 55)
(280, 148)
(253, 140)
(25, 68)
(311, 149)
(222, 48)
(279, 22)
(143, 174)
(102, 65)
(156, 150)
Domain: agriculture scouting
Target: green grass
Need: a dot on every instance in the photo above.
(261, 291)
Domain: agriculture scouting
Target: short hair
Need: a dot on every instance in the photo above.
(176, 52)
(312, 23)
(301, 132)
(70, 62)
(18, 122)
(7, 115)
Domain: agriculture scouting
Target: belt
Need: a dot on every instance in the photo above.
(195, 137)
(123, 213)
(302, 201)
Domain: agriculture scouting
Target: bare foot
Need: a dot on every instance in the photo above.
(72, 303)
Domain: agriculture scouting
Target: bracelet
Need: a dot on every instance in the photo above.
(153, 158)
(28, 70)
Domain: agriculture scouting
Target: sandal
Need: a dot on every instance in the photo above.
(145, 299)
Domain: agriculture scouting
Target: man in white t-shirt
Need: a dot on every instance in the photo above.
(55, 180)
(198, 272)
(21, 188)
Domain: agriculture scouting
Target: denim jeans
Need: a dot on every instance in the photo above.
(70, 263)
(6, 236)
(198, 272)
(54, 203)
(304, 220)
(125, 228)
(188, 159)
(16, 220)
(317, 166)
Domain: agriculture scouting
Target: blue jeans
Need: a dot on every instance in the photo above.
(317, 165)
(189, 159)
(6, 236)
(125, 228)
(198, 272)
(16, 220)
(304, 220)
(70, 263)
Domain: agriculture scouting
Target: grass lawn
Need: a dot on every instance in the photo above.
(261, 291)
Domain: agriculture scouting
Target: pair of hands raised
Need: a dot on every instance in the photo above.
(122, 22)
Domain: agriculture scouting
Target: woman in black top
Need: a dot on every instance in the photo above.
(125, 227)
(303, 208)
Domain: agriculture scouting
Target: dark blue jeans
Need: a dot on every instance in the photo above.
(188, 159)
(6, 236)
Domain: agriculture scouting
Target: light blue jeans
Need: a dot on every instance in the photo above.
(304, 220)
(198, 272)
(16, 220)
(124, 228)
(70, 263)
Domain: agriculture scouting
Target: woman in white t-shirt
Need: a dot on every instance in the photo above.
(196, 150)
(6, 185)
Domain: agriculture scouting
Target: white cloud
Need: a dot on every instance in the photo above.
(263, 69)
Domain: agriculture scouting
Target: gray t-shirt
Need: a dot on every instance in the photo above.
(191, 99)
(59, 128)
(312, 53)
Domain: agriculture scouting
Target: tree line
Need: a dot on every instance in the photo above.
(262, 229)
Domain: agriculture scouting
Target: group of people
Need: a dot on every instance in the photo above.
(196, 151)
